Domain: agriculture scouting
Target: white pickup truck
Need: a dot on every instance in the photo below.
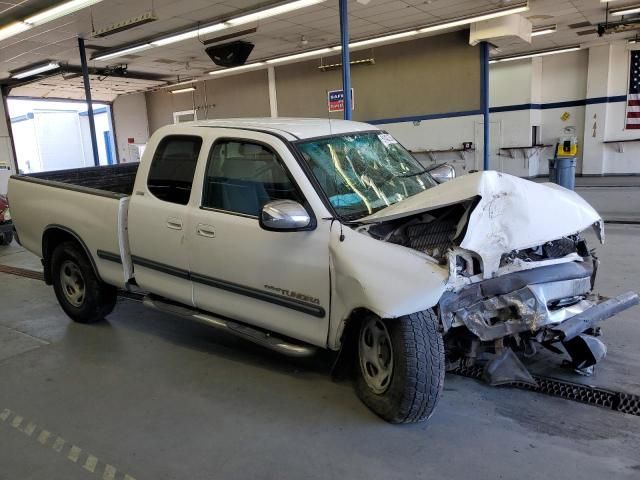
(300, 234)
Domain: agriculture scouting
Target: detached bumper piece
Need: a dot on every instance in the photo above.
(576, 335)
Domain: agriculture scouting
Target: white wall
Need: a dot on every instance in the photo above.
(130, 121)
(6, 151)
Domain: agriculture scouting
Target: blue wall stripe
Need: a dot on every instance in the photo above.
(506, 108)
(432, 116)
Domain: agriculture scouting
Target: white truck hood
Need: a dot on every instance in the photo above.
(512, 213)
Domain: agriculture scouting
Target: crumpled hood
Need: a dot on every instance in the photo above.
(512, 213)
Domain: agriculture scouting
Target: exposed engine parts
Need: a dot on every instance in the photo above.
(433, 233)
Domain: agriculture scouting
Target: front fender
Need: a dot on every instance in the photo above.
(387, 279)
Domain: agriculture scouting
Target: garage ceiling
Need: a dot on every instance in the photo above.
(303, 29)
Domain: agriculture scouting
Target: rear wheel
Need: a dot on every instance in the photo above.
(6, 238)
(80, 293)
(401, 366)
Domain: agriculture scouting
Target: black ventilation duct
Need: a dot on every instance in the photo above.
(231, 54)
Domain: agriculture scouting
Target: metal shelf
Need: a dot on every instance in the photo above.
(432, 153)
(620, 143)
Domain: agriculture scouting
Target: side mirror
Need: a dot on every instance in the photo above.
(442, 173)
(284, 216)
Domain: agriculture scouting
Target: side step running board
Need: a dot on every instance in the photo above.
(261, 337)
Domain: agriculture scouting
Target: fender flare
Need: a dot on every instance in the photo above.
(47, 251)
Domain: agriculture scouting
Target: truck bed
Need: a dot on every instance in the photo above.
(118, 179)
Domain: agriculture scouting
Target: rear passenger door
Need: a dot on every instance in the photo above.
(159, 219)
(275, 280)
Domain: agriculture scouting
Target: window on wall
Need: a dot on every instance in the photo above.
(173, 168)
(243, 176)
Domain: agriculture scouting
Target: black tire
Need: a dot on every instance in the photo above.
(6, 238)
(418, 368)
(98, 299)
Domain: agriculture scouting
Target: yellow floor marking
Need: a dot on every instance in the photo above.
(58, 444)
(30, 428)
(17, 420)
(43, 438)
(109, 472)
(74, 453)
(91, 463)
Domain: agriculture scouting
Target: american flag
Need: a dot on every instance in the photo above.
(633, 99)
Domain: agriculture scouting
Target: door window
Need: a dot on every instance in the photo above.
(173, 168)
(242, 177)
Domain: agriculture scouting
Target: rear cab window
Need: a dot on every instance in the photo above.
(173, 168)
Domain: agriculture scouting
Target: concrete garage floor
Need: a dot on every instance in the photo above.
(157, 397)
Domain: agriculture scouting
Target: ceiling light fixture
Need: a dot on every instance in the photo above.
(126, 51)
(296, 56)
(625, 10)
(544, 30)
(58, 11)
(539, 53)
(44, 16)
(235, 69)
(183, 90)
(214, 27)
(35, 70)
(498, 12)
(272, 12)
(13, 29)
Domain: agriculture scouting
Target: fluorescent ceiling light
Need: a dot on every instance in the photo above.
(214, 27)
(386, 38)
(13, 29)
(540, 53)
(235, 69)
(44, 16)
(625, 10)
(179, 37)
(36, 70)
(271, 12)
(521, 7)
(544, 30)
(120, 53)
(58, 11)
(296, 56)
(184, 90)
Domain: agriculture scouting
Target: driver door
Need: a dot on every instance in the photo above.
(275, 280)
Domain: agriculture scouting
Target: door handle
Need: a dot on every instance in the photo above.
(205, 230)
(174, 223)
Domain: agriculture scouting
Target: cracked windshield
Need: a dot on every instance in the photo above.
(364, 173)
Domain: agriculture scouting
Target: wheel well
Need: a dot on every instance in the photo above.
(348, 343)
(53, 237)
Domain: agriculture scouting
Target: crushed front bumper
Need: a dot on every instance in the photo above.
(550, 305)
(551, 297)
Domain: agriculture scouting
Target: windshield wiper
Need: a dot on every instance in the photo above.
(407, 175)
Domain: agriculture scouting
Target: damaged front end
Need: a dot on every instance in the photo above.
(550, 304)
(521, 276)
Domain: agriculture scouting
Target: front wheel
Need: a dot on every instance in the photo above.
(80, 293)
(401, 366)
(6, 238)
